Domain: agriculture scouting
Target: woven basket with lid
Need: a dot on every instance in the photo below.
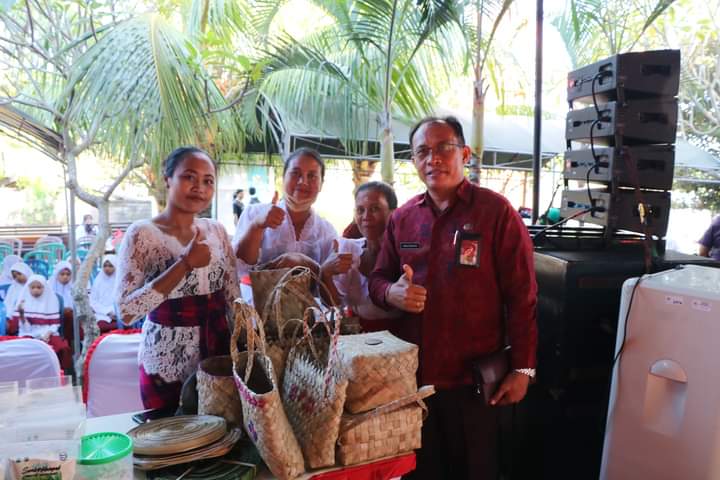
(380, 368)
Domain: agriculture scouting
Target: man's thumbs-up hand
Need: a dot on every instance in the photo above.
(405, 295)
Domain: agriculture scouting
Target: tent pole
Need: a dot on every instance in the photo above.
(538, 109)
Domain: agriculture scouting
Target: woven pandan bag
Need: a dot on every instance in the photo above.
(388, 430)
(380, 368)
(314, 391)
(281, 297)
(217, 393)
(264, 416)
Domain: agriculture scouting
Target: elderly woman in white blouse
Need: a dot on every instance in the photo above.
(179, 270)
(266, 232)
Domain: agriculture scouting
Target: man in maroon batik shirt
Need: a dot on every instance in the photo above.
(458, 307)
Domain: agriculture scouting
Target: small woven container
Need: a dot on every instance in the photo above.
(388, 430)
(217, 393)
(380, 368)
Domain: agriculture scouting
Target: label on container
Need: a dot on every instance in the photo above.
(674, 300)
(702, 305)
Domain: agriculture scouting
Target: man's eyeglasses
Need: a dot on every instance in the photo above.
(441, 149)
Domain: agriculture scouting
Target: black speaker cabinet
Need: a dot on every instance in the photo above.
(638, 122)
(640, 74)
(643, 166)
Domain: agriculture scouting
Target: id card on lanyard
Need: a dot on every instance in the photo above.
(467, 248)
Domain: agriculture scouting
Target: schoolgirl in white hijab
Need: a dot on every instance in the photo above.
(37, 315)
(37, 310)
(102, 298)
(63, 273)
(5, 275)
(16, 287)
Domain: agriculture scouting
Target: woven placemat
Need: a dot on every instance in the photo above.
(216, 449)
(170, 436)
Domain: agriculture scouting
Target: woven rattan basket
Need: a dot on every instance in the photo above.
(217, 393)
(388, 430)
(380, 368)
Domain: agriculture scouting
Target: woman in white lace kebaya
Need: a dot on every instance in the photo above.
(178, 270)
(266, 231)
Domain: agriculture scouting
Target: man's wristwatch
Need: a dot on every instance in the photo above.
(530, 372)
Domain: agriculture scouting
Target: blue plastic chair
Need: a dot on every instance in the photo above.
(5, 250)
(56, 252)
(39, 266)
(3, 318)
(3, 291)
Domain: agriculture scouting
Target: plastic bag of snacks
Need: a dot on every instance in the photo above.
(52, 460)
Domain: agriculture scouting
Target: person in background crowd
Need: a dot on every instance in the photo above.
(374, 202)
(238, 204)
(710, 241)
(86, 229)
(61, 283)
(458, 308)
(253, 196)
(102, 294)
(267, 231)
(5, 275)
(179, 270)
(20, 272)
(37, 315)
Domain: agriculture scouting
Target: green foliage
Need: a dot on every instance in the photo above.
(38, 207)
(594, 29)
(145, 83)
(375, 56)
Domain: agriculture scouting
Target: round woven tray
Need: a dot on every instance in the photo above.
(169, 436)
(216, 449)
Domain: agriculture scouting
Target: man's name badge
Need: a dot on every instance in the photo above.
(409, 245)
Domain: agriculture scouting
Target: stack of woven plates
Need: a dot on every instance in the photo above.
(171, 441)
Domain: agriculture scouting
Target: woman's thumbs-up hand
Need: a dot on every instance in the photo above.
(273, 215)
(197, 253)
(336, 263)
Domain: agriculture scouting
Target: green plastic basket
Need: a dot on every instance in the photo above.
(104, 447)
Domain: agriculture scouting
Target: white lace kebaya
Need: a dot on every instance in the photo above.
(172, 352)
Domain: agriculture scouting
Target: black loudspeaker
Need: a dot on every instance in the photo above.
(620, 211)
(647, 167)
(638, 74)
(637, 122)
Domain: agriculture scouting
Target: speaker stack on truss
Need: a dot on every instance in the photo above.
(620, 134)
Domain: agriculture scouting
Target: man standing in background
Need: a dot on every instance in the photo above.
(238, 204)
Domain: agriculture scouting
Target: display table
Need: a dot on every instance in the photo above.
(383, 469)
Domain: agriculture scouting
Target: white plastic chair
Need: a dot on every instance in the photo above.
(26, 358)
(113, 383)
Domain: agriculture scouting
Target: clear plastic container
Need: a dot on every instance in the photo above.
(105, 456)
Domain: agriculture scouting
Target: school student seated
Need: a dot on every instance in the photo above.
(37, 315)
(102, 299)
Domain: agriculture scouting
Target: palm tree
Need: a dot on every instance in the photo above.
(377, 60)
(128, 89)
(593, 29)
(491, 10)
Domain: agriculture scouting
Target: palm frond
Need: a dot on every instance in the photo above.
(143, 85)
